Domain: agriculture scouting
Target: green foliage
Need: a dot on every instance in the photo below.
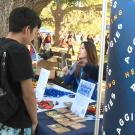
(88, 22)
(47, 18)
(85, 21)
(69, 2)
(75, 1)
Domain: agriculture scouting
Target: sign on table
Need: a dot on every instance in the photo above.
(41, 84)
(82, 98)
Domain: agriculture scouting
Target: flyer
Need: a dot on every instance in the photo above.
(41, 84)
(82, 98)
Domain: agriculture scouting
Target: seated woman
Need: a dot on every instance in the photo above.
(85, 68)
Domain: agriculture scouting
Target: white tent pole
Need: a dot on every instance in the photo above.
(100, 76)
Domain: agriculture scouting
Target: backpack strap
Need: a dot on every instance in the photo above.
(3, 64)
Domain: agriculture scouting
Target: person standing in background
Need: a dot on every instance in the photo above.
(90, 39)
(70, 44)
(78, 38)
(40, 38)
(47, 42)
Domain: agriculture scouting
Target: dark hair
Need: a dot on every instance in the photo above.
(91, 55)
(22, 17)
(69, 36)
(91, 52)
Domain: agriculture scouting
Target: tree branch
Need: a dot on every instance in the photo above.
(38, 5)
(52, 11)
(76, 8)
(48, 20)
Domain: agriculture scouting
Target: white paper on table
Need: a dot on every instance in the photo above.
(41, 84)
(82, 98)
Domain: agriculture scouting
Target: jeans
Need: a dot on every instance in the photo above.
(5, 130)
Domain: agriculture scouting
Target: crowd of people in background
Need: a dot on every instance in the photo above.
(77, 38)
(68, 40)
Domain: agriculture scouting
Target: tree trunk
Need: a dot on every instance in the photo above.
(5, 9)
(58, 16)
(6, 6)
(57, 31)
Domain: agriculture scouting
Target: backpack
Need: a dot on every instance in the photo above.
(8, 101)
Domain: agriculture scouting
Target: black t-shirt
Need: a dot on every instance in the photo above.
(19, 67)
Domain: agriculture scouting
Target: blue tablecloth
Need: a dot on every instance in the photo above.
(44, 120)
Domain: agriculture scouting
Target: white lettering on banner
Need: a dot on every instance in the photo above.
(108, 106)
(117, 34)
(118, 130)
(111, 44)
(113, 96)
(126, 117)
(115, 4)
(107, 67)
(130, 49)
(120, 26)
(134, 41)
(114, 40)
(110, 103)
(127, 60)
(122, 121)
(109, 72)
(120, 12)
(133, 87)
(132, 117)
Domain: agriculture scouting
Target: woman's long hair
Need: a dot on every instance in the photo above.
(91, 55)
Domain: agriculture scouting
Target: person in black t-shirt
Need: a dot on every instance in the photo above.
(23, 26)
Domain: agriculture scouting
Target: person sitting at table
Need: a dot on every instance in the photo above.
(85, 68)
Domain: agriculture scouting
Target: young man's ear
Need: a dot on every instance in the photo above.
(26, 29)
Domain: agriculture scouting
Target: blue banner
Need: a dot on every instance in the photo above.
(119, 114)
